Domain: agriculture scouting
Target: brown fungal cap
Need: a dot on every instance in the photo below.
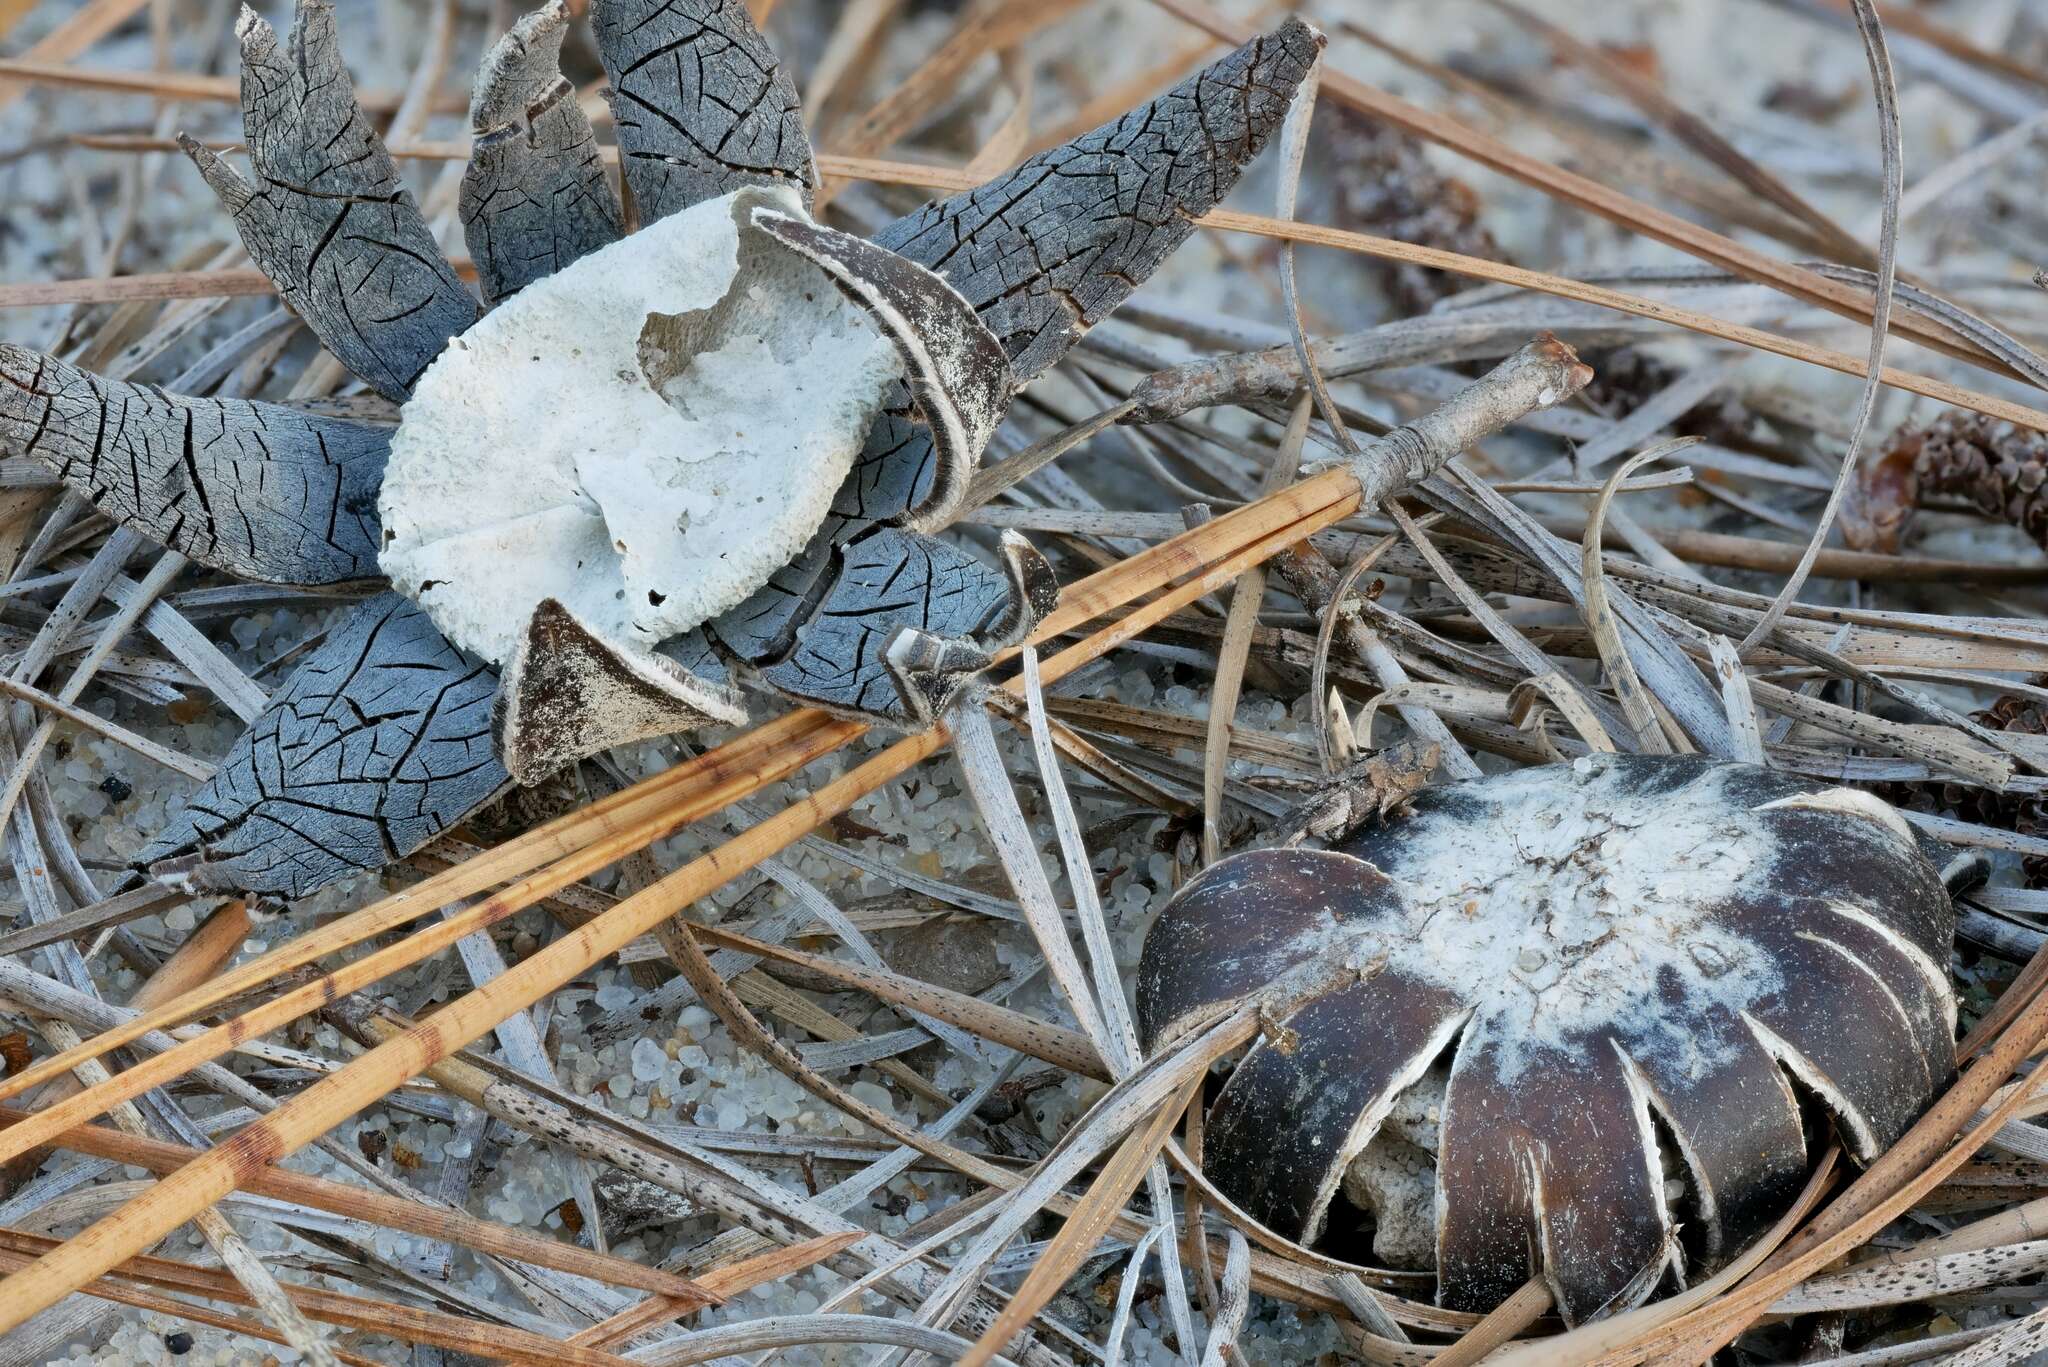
(1592, 996)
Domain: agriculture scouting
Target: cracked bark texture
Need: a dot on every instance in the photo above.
(377, 744)
(327, 217)
(886, 580)
(535, 197)
(763, 628)
(1047, 251)
(259, 490)
(1043, 253)
(1050, 249)
(701, 104)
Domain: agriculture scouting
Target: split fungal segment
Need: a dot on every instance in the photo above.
(1562, 1022)
(641, 437)
(550, 455)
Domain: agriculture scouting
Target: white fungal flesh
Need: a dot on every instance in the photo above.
(644, 436)
(1624, 890)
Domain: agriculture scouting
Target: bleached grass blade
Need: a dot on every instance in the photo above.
(1885, 85)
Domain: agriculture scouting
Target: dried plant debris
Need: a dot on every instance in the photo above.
(256, 489)
(2026, 814)
(1380, 180)
(1553, 998)
(628, 485)
(534, 196)
(325, 213)
(1993, 466)
(1626, 378)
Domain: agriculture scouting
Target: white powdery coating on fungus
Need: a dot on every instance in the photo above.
(644, 436)
(1586, 912)
(1556, 918)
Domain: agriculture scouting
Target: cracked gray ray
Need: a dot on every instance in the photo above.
(701, 104)
(377, 744)
(1048, 250)
(259, 490)
(535, 197)
(327, 217)
(884, 581)
(762, 629)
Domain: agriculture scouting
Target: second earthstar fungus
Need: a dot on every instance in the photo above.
(1581, 1022)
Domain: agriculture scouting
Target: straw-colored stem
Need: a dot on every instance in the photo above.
(780, 746)
(410, 1323)
(1506, 1320)
(390, 1212)
(725, 774)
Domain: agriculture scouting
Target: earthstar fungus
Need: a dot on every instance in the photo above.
(1562, 1022)
(569, 581)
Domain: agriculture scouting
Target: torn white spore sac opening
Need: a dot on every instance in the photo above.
(644, 436)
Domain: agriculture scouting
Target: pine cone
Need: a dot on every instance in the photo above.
(1997, 468)
(1625, 378)
(1385, 185)
(2013, 713)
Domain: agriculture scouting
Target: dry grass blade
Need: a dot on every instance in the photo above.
(1890, 139)
(995, 803)
(1090, 1219)
(1234, 1299)
(723, 1283)
(783, 745)
(1506, 1320)
(93, 21)
(1906, 20)
(410, 1323)
(1696, 133)
(1621, 302)
(1246, 597)
(412, 1217)
(981, 30)
(1636, 703)
(1588, 194)
(1895, 1283)
(121, 1292)
(1737, 699)
(1038, 1039)
(798, 738)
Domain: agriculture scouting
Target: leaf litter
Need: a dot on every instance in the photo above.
(1492, 613)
